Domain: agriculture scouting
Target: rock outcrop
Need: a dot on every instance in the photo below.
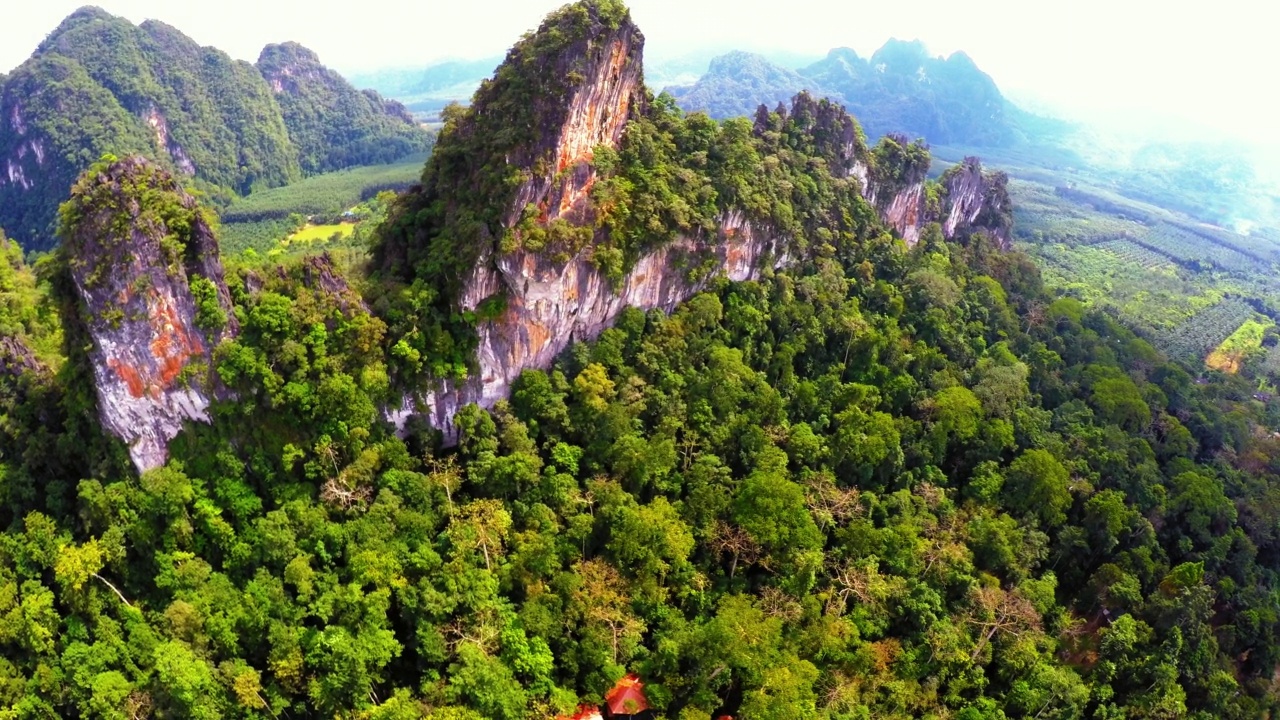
(553, 304)
(977, 200)
(318, 273)
(16, 359)
(135, 242)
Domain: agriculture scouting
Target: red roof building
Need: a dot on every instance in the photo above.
(626, 699)
(585, 712)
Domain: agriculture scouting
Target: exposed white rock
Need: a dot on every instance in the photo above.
(159, 124)
(551, 305)
(16, 120)
(905, 212)
(149, 358)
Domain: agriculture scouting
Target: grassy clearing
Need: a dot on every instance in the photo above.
(1229, 356)
(314, 233)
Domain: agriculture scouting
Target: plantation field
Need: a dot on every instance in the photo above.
(263, 221)
(1128, 251)
(330, 193)
(1195, 338)
(1194, 290)
(1042, 215)
(314, 233)
(1196, 250)
(1230, 355)
(1155, 298)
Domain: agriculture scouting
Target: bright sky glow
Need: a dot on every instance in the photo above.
(1213, 64)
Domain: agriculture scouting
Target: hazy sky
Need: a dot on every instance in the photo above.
(1213, 63)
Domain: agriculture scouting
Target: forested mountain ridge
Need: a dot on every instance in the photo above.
(737, 82)
(333, 124)
(866, 478)
(566, 200)
(100, 84)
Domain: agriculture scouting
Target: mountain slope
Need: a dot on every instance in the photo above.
(99, 84)
(334, 125)
(566, 193)
(736, 83)
(813, 473)
(901, 88)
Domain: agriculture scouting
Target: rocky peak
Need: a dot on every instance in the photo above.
(977, 200)
(900, 57)
(285, 64)
(521, 159)
(524, 146)
(593, 51)
(152, 301)
(836, 135)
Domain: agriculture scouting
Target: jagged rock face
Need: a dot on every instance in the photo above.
(836, 135)
(977, 200)
(150, 360)
(319, 274)
(905, 212)
(16, 359)
(550, 302)
(552, 305)
(595, 113)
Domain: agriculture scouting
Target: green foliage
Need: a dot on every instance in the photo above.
(98, 84)
(878, 482)
(332, 124)
(209, 313)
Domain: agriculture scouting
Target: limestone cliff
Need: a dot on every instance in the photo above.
(976, 200)
(893, 176)
(135, 243)
(552, 304)
(522, 160)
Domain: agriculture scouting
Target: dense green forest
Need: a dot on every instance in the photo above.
(887, 483)
(333, 124)
(100, 84)
(879, 482)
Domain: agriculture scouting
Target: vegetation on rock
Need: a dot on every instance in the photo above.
(332, 124)
(878, 481)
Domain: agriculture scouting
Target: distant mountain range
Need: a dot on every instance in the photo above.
(428, 89)
(900, 88)
(101, 84)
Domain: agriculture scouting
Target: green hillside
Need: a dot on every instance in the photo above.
(99, 84)
(333, 124)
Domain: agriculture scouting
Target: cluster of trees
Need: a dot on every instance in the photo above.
(885, 483)
(100, 84)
